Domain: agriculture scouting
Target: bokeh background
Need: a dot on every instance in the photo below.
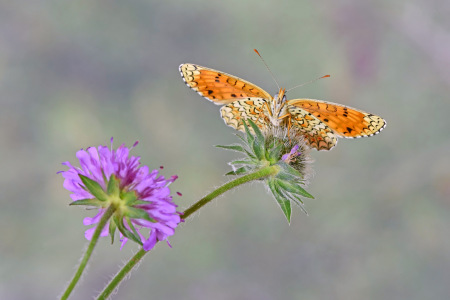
(75, 73)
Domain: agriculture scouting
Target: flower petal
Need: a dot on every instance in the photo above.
(99, 164)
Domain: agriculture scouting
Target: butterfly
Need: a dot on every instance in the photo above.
(319, 121)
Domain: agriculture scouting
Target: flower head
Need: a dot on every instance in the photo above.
(141, 198)
(280, 146)
(294, 150)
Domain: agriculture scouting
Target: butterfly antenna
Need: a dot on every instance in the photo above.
(311, 81)
(273, 76)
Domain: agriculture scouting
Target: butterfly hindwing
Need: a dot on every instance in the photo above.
(343, 120)
(317, 133)
(235, 113)
(219, 87)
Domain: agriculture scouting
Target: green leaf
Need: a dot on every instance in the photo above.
(258, 149)
(129, 198)
(94, 188)
(250, 137)
(241, 138)
(249, 154)
(284, 203)
(274, 153)
(113, 186)
(258, 133)
(287, 177)
(112, 230)
(293, 188)
(138, 213)
(130, 224)
(126, 232)
(257, 145)
(290, 191)
(141, 202)
(242, 162)
(290, 170)
(295, 198)
(299, 202)
(88, 202)
(236, 147)
(239, 171)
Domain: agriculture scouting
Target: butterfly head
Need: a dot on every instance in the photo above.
(281, 96)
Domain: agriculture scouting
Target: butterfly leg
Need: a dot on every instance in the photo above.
(268, 108)
(288, 116)
(262, 114)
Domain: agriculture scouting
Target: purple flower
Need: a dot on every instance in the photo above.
(288, 157)
(142, 198)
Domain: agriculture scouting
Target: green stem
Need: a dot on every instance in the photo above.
(261, 173)
(108, 213)
(121, 275)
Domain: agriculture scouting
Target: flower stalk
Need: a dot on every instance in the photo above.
(105, 218)
(122, 273)
(261, 173)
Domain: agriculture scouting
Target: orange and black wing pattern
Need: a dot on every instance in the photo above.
(320, 122)
(316, 133)
(237, 112)
(344, 121)
(219, 87)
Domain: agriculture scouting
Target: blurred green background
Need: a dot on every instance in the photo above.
(75, 73)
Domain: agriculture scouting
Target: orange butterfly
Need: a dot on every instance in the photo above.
(321, 122)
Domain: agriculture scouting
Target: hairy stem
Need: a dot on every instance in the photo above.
(108, 213)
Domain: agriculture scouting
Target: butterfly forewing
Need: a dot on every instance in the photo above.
(219, 87)
(343, 120)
